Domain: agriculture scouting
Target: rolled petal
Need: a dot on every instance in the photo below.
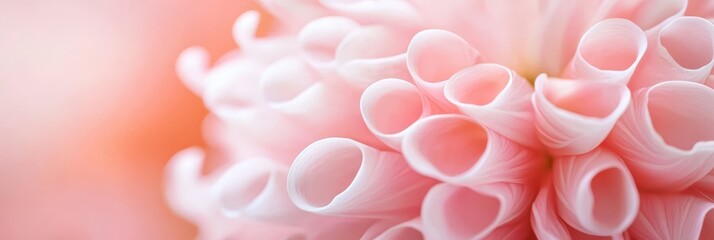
(683, 49)
(596, 193)
(338, 176)
(455, 149)
(390, 106)
(231, 86)
(610, 51)
(192, 67)
(264, 49)
(573, 117)
(433, 56)
(285, 79)
(674, 216)
(454, 212)
(667, 131)
(544, 217)
(184, 185)
(496, 97)
(320, 39)
(362, 62)
(256, 188)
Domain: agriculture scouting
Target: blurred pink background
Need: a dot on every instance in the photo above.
(91, 110)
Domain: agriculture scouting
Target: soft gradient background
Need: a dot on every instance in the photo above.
(91, 110)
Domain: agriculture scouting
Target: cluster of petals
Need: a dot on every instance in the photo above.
(472, 119)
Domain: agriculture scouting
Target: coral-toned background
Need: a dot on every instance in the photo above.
(91, 110)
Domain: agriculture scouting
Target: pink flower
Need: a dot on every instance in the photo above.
(408, 119)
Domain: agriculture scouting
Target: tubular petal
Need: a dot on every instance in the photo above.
(496, 97)
(390, 106)
(657, 136)
(596, 193)
(610, 51)
(683, 49)
(433, 56)
(338, 176)
(455, 149)
(573, 117)
(454, 212)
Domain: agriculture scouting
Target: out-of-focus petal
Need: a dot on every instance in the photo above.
(396, 12)
(256, 188)
(342, 177)
(264, 49)
(609, 51)
(574, 116)
(320, 39)
(596, 193)
(294, 13)
(496, 97)
(673, 216)
(658, 135)
(390, 106)
(192, 67)
(433, 56)
(683, 49)
(454, 212)
(455, 149)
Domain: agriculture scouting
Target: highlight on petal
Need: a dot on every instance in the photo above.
(342, 177)
(683, 49)
(455, 149)
(231, 86)
(433, 56)
(657, 136)
(496, 97)
(610, 51)
(319, 39)
(256, 188)
(573, 117)
(455, 212)
(596, 193)
(364, 72)
(673, 216)
(390, 106)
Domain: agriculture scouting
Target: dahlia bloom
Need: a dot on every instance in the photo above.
(488, 119)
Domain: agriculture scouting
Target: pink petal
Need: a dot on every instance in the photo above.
(264, 49)
(256, 188)
(673, 216)
(683, 49)
(433, 56)
(184, 182)
(232, 86)
(609, 51)
(648, 14)
(596, 193)
(544, 217)
(454, 212)
(574, 117)
(320, 39)
(658, 135)
(285, 79)
(364, 72)
(390, 106)
(396, 12)
(192, 67)
(338, 176)
(496, 97)
(455, 149)
(409, 230)
(294, 12)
